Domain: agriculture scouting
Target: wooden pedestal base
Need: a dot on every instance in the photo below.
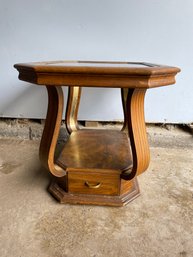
(120, 200)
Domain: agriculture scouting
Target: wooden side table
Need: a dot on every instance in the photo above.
(96, 166)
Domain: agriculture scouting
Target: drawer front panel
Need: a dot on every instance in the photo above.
(84, 183)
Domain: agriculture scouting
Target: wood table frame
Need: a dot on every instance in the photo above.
(81, 183)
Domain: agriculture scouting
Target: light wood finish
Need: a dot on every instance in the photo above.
(97, 74)
(74, 94)
(108, 200)
(51, 131)
(96, 149)
(96, 167)
(93, 183)
(128, 185)
(135, 122)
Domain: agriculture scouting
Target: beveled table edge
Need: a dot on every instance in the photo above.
(118, 76)
(89, 68)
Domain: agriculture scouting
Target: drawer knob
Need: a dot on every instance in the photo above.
(90, 185)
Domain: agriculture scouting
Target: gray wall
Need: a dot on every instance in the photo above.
(125, 30)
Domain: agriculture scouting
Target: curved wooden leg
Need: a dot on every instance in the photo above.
(124, 95)
(133, 106)
(74, 94)
(51, 130)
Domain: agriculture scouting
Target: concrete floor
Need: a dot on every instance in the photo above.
(159, 223)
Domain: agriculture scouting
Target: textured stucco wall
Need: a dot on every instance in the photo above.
(136, 30)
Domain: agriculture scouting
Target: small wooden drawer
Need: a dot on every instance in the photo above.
(93, 183)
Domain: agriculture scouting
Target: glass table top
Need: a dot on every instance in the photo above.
(98, 64)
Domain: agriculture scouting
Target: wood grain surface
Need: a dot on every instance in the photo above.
(96, 166)
(51, 131)
(96, 149)
(74, 94)
(97, 74)
(135, 123)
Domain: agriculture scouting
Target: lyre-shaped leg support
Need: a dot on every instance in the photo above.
(74, 94)
(133, 106)
(51, 130)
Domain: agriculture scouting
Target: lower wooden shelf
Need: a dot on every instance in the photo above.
(94, 161)
(96, 149)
